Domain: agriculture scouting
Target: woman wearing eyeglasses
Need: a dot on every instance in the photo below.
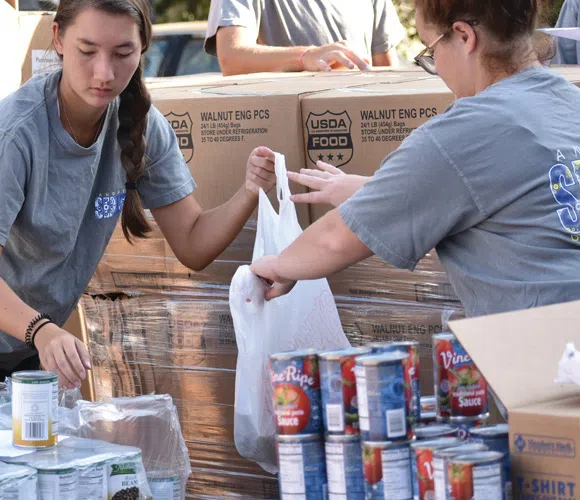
(493, 183)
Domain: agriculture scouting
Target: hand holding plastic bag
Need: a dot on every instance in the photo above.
(305, 318)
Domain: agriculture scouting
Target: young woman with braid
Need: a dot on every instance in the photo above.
(78, 148)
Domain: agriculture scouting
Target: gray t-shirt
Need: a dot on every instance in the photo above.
(60, 202)
(494, 185)
(568, 51)
(369, 26)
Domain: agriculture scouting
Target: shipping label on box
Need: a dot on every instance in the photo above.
(356, 128)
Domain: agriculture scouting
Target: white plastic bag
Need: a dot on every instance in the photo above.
(305, 318)
(569, 366)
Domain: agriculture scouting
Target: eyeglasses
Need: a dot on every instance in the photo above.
(426, 60)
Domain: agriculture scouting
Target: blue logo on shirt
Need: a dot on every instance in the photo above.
(565, 186)
(108, 206)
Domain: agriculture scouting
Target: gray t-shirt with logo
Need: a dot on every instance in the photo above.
(494, 185)
(60, 202)
(369, 26)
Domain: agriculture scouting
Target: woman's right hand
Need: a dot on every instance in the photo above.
(64, 354)
(331, 185)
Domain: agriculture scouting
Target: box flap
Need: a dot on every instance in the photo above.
(518, 352)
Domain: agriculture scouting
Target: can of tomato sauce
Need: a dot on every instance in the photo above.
(34, 409)
(383, 408)
(461, 388)
(476, 475)
(296, 392)
(422, 465)
(387, 470)
(344, 468)
(302, 467)
(411, 367)
(496, 438)
(465, 425)
(338, 388)
(440, 458)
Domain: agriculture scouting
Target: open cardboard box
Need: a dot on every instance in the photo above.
(518, 353)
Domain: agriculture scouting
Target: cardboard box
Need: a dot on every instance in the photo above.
(518, 353)
(38, 53)
(11, 68)
(374, 278)
(217, 133)
(356, 128)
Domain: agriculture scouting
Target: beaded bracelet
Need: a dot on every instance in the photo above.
(28, 337)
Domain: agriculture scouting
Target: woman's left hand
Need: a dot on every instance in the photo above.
(260, 171)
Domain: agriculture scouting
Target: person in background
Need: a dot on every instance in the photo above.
(252, 36)
(79, 148)
(568, 51)
(493, 183)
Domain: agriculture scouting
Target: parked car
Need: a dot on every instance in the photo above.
(177, 49)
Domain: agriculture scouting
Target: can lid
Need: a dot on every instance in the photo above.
(433, 430)
(462, 449)
(341, 353)
(342, 438)
(499, 430)
(298, 438)
(460, 419)
(444, 336)
(383, 445)
(378, 359)
(394, 345)
(293, 354)
(478, 458)
(34, 375)
(434, 444)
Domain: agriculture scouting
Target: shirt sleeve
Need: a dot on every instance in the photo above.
(566, 52)
(388, 31)
(13, 172)
(243, 13)
(167, 178)
(416, 199)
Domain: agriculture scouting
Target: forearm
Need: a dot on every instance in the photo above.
(326, 247)
(15, 315)
(256, 58)
(215, 229)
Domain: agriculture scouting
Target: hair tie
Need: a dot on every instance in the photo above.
(130, 185)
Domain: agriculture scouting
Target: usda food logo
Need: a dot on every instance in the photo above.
(329, 138)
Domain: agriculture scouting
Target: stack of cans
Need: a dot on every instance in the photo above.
(297, 403)
(352, 425)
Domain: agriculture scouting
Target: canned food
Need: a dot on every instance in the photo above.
(344, 467)
(383, 408)
(496, 438)
(461, 388)
(411, 372)
(296, 392)
(124, 477)
(465, 425)
(57, 475)
(387, 470)
(338, 388)
(434, 431)
(302, 467)
(428, 404)
(18, 482)
(164, 486)
(34, 409)
(422, 465)
(440, 458)
(476, 476)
